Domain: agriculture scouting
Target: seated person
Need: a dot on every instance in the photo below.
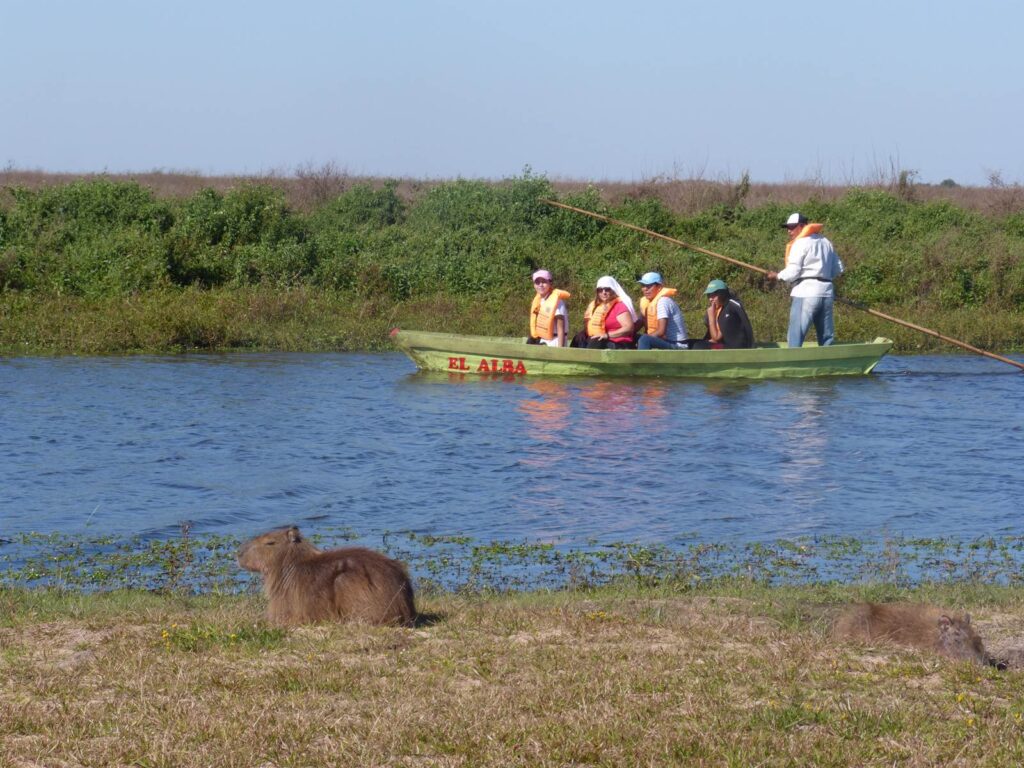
(728, 326)
(549, 315)
(666, 328)
(610, 318)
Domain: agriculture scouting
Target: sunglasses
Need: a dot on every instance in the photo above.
(540, 281)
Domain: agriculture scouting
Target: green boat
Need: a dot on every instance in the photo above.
(510, 357)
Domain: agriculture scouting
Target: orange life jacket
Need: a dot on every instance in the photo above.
(596, 315)
(542, 314)
(809, 229)
(649, 309)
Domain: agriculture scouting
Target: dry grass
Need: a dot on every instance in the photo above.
(612, 679)
(309, 186)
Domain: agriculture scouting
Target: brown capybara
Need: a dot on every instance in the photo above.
(304, 584)
(914, 625)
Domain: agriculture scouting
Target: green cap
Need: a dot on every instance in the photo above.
(716, 285)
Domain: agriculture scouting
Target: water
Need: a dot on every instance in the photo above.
(928, 446)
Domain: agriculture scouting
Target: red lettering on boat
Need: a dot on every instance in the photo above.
(499, 366)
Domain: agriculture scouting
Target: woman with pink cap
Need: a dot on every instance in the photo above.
(549, 315)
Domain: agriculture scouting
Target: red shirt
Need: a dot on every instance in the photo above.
(612, 324)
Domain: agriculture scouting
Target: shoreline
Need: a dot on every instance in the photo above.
(204, 563)
(106, 266)
(263, 319)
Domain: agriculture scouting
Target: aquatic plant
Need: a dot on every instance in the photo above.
(191, 564)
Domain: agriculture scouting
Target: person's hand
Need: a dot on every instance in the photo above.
(772, 275)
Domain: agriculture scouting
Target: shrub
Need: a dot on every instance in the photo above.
(338, 256)
(281, 264)
(258, 214)
(119, 262)
(84, 207)
(476, 206)
(571, 227)
(361, 206)
(470, 205)
(1014, 225)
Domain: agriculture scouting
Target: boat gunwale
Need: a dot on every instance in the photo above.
(762, 361)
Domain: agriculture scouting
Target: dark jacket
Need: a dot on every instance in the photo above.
(734, 324)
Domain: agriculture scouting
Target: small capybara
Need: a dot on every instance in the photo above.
(304, 584)
(915, 625)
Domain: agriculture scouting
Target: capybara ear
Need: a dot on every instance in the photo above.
(967, 618)
(293, 535)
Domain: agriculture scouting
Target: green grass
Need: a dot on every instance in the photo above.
(262, 318)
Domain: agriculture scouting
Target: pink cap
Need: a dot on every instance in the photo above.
(542, 273)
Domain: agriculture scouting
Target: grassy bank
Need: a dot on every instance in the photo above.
(102, 266)
(156, 653)
(729, 674)
(310, 319)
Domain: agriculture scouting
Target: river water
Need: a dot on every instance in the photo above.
(927, 446)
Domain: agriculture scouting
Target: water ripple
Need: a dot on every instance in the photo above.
(929, 446)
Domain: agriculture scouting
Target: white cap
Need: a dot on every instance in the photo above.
(795, 219)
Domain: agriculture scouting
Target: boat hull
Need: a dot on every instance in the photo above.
(506, 356)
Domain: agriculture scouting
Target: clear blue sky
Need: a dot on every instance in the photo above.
(481, 88)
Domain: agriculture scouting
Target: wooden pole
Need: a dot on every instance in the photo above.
(657, 235)
(929, 331)
(763, 271)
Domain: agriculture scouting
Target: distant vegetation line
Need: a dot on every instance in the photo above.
(172, 262)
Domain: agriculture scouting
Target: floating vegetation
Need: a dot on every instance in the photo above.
(205, 564)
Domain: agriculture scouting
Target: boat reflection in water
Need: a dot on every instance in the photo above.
(805, 443)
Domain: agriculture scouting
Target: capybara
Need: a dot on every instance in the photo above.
(915, 625)
(304, 584)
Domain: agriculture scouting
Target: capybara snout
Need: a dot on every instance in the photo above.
(265, 552)
(917, 626)
(304, 584)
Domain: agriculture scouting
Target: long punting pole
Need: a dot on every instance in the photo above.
(763, 271)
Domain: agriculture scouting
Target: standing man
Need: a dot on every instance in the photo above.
(666, 328)
(811, 265)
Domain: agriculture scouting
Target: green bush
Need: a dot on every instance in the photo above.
(280, 264)
(478, 239)
(361, 206)
(63, 213)
(1013, 225)
(513, 205)
(338, 255)
(121, 261)
(562, 226)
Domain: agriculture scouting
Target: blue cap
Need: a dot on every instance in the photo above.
(650, 278)
(716, 285)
